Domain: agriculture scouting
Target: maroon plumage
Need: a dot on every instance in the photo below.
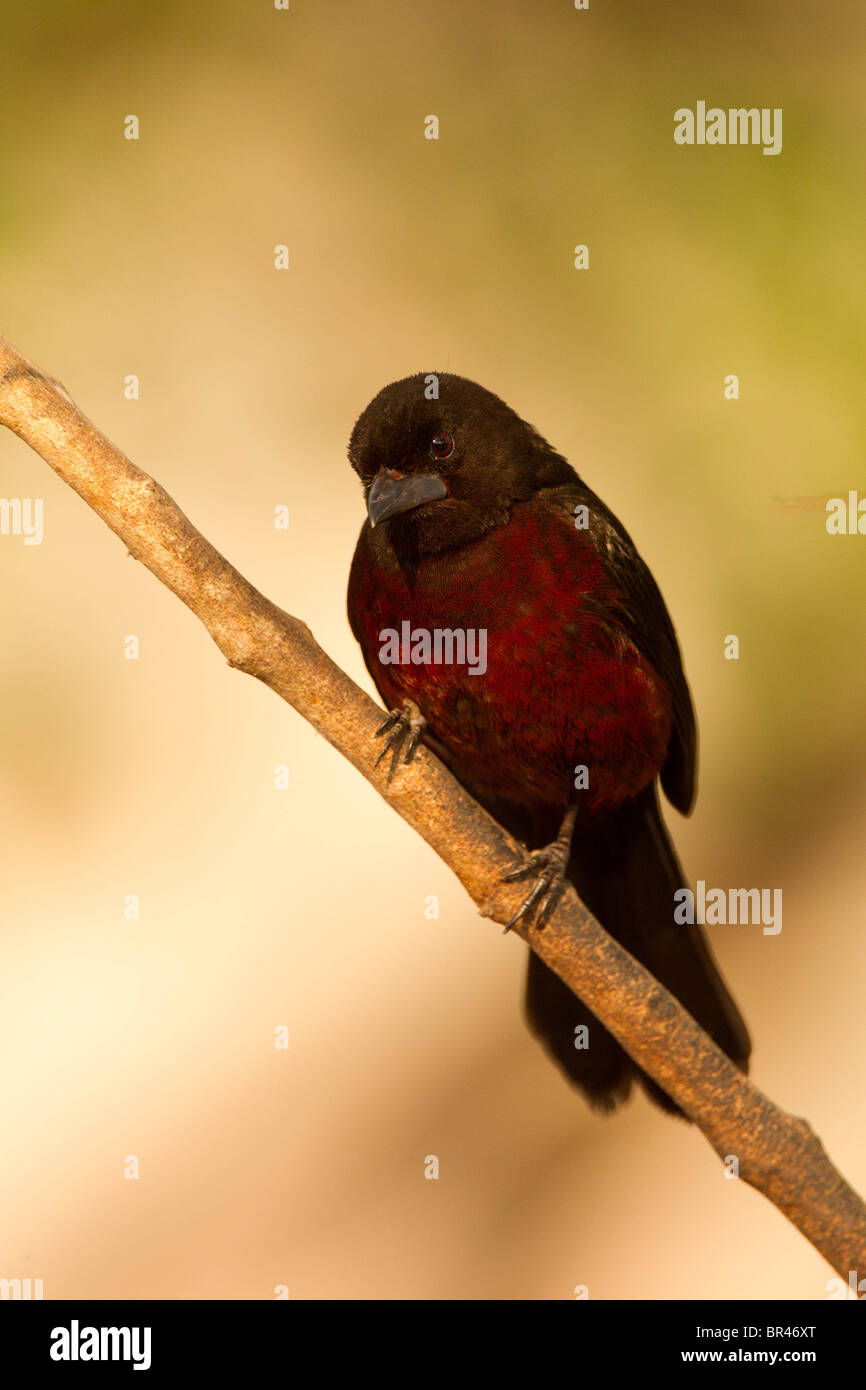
(475, 523)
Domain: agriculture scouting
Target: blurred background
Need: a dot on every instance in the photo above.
(304, 906)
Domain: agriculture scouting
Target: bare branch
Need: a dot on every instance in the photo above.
(778, 1153)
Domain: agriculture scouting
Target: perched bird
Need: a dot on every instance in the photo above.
(476, 525)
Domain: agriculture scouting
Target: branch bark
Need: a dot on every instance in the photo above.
(778, 1153)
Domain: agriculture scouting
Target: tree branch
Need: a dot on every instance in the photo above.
(778, 1153)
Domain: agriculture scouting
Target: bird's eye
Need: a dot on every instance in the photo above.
(442, 447)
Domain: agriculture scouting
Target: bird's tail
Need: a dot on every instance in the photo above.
(626, 872)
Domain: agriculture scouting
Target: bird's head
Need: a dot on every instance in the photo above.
(442, 460)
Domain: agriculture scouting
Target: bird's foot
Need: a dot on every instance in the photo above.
(405, 729)
(548, 867)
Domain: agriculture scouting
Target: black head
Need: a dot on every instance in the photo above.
(442, 461)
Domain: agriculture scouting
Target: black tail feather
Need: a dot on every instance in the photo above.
(626, 872)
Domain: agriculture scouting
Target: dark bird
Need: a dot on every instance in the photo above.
(475, 524)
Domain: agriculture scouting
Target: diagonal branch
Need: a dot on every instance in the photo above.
(778, 1153)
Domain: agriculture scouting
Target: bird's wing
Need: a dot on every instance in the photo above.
(645, 620)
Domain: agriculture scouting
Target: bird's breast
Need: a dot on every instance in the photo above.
(512, 649)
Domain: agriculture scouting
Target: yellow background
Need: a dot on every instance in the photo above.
(305, 907)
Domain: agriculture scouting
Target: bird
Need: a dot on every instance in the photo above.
(476, 525)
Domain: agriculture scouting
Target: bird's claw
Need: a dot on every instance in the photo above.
(548, 867)
(405, 730)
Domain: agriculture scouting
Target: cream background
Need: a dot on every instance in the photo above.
(305, 907)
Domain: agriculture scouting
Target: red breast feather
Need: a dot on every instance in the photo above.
(564, 684)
